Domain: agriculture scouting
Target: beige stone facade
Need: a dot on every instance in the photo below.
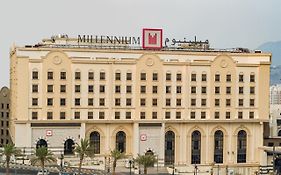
(5, 115)
(186, 107)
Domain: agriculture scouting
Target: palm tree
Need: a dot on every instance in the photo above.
(115, 154)
(9, 151)
(146, 160)
(83, 150)
(42, 155)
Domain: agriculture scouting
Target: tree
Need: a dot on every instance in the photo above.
(42, 155)
(9, 151)
(146, 160)
(115, 154)
(84, 149)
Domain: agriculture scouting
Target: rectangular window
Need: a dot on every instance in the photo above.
(252, 90)
(168, 89)
(101, 115)
(178, 89)
(90, 101)
(192, 115)
(228, 78)
(35, 88)
(129, 76)
(117, 101)
(117, 89)
(142, 101)
(34, 101)
(252, 102)
(178, 77)
(203, 89)
(240, 115)
(251, 115)
(154, 102)
(35, 75)
(193, 102)
(217, 77)
(7, 114)
(62, 115)
(77, 101)
(77, 88)
(50, 75)
(90, 115)
(178, 115)
(102, 102)
(49, 115)
(117, 115)
(8, 106)
(168, 102)
(128, 115)
(102, 75)
(34, 115)
(252, 78)
(178, 102)
(241, 78)
(203, 102)
(50, 88)
(154, 115)
(217, 102)
(240, 102)
(217, 115)
(154, 89)
(167, 115)
(49, 101)
(228, 90)
(90, 88)
(193, 89)
(217, 90)
(102, 88)
(63, 75)
(143, 76)
(62, 101)
(76, 115)
(203, 115)
(227, 115)
(90, 75)
(117, 76)
(129, 89)
(193, 77)
(155, 76)
(143, 89)
(168, 76)
(142, 115)
(77, 75)
(62, 88)
(204, 77)
(241, 90)
(128, 101)
(228, 102)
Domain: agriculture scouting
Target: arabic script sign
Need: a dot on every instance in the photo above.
(152, 38)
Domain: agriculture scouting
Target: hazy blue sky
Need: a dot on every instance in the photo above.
(226, 23)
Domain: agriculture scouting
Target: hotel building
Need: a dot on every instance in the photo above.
(189, 107)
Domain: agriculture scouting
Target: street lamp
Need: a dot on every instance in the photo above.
(61, 161)
(130, 162)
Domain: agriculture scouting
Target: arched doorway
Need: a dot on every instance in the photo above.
(242, 147)
(196, 147)
(279, 133)
(68, 147)
(95, 141)
(149, 152)
(41, 143)
(121, 141)
(218, 147)
(169, 147)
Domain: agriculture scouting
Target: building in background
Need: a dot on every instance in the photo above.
(5, 115)
(187, 106)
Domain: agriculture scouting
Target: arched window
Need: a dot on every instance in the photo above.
(241, 147)
(68, 147)
(279, 133)
(169, 148)
(95, 141)
(121, 141)
(196, 147)
(218, 147)
(41, 143)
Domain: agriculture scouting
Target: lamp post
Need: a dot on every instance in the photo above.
(130, 162)
(61, 161)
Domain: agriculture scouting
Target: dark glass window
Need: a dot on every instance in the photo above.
(95, 141)
(68, 147)
(218, 147)
(241, 147)
(121, 141)
(169, 148)
(196, 147)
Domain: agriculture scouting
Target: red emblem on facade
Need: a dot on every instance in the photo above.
(152, 38)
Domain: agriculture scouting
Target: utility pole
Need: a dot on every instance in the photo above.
(273, 159)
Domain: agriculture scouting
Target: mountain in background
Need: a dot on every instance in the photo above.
(275, 49)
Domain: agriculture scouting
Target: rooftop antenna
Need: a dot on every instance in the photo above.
(195, 38)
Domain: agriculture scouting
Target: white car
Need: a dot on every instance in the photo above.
(43, 173)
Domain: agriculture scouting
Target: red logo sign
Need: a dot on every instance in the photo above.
(143, 137)
(152, 38)
(49, 132)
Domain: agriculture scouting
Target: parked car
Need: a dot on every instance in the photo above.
(46, 172)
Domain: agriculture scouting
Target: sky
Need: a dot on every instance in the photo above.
(225, 23)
